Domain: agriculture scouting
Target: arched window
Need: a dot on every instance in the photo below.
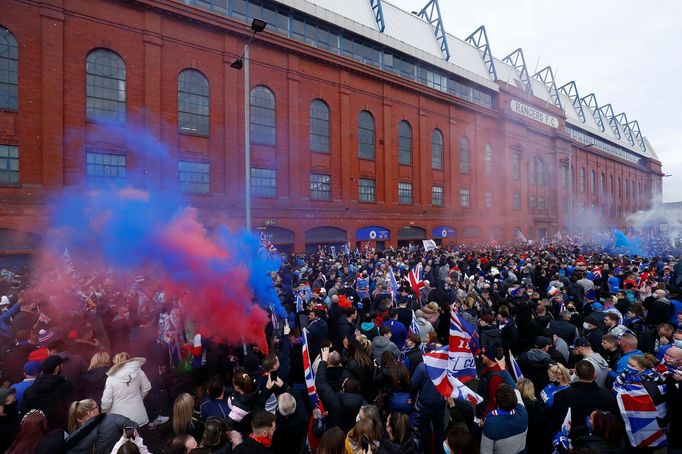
(531, 172)
(193, 102)
(602, 184)
(366, 135)
(263, 126)
(540, 172)
(634, 192)
(404, 143)
(9, 70)
(620, 189)
(593, 182)
(611, 185)
(319, 126)
(582, 179)
(488, 160)
(437, 149)
(627, 191)
(464, 155)
(105, 86)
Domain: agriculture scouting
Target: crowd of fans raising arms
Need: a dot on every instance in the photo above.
(500, 348)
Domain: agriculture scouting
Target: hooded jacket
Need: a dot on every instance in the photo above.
(98, 435)
(380, 344)
(534, 364)
(601, 367)
(391, 447)
(92, 383)
(124, 390)
(52, 394)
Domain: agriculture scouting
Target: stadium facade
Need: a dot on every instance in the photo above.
(367, 122)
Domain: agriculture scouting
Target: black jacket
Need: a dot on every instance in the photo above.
(565, 330)
(510, 337)
(251, 446)
(52, 394)
(98, 435)
(289, 438)
(534, 364)
(342, 407)
(390, 447)
(489, 335)
(582, 398)
(318, 331)
(92, 383)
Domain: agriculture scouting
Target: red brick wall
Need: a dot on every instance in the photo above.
(158, 39)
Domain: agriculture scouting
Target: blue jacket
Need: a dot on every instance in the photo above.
(214, 407)
(4, 320)
(398, 333)
(430, 401)
(623, 363)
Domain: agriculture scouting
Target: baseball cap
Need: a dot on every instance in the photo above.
(580, 342)
(51, 363)
(32, 368)
(542, 341)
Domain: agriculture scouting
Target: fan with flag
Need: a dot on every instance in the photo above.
(414, 277)
(450, 367)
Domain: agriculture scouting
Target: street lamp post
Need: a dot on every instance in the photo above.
(257, 26)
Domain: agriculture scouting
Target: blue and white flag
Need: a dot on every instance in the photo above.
(393, 284)
(561, 439)
(515, 367)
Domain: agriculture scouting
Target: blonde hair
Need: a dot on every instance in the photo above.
(121, 357)
(526, 388)
(183, 408)
(78, 413)
(100, 359)
(559, 372)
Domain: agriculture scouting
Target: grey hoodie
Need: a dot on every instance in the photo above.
(380, 344)
(601, 368)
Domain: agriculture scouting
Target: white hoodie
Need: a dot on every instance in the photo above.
(124, 391)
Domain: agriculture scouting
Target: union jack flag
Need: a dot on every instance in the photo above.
(463, 340)
(596, 273)
(266, 245)
(440, 369)
(415, 278)
(308, 373)
(414, 327)
(68, 267)
(641, 415)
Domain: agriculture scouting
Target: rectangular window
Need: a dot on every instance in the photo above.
(564, 205)
(488, 199)
(9, 164)
(320, 186)
(564, 177)
(516, 201)
(367, 190)
(263, 182)
(541, 203)
(405, 193)
(194, 176)
(437, 196)
(105, 165)
(531, 202)
(464, 198)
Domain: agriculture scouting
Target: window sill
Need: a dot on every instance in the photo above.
(192, 134)
(10, 185)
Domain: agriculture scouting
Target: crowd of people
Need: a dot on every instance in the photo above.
(574, 350)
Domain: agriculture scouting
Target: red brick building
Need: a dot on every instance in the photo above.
(378, 126)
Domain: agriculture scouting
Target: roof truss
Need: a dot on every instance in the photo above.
(431, 12)
(378, 14)
(571, 90)
(546, 76)
(623, 121)
(518, 62)
(479, 39)
(607, 111)
(593, 106)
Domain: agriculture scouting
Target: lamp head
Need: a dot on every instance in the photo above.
(258, 25)
(237, 64)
